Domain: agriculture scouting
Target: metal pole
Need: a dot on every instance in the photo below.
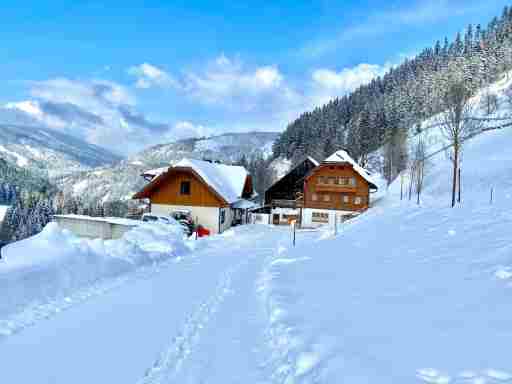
(294, 234)
(492, 194)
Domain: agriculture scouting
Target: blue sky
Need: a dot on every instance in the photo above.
(154, 71)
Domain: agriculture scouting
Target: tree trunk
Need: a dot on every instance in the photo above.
(455, 171)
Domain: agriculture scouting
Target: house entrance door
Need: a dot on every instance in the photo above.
(275, 219)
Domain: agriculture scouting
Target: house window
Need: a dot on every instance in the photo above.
(358, 200)
(327, 197)
(331, 180)
(320, 217)
(353, 181)
(314, 197)
(321, 180)
(345, 199)
(222, 216)
(185, 188)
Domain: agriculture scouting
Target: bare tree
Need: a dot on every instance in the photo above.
(457, 123)
(419, 160)
(489, 102)
(417, 169)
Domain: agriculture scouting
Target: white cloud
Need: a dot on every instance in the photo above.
(149, 76)
(186, 130)
(97, 111)
(30, 107)
(327, 84)
(228, 82)
(348, 79)
(423, 12)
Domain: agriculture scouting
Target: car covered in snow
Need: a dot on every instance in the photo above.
(152, 218)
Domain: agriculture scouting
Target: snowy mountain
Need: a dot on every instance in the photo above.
(28, 144)
(122, 180)
(227, 148)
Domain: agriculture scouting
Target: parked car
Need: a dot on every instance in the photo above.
(184, 216)
(152, 218)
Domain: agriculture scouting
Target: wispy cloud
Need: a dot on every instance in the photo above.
(149, 76)
(420, 13)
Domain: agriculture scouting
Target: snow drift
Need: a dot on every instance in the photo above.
(55, 263)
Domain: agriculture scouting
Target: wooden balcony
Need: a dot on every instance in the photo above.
(293, 204)
(335, 188)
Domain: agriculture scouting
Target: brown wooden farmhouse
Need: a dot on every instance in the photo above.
(213, 193)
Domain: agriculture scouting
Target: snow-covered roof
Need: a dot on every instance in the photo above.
(3, 212)
(313, 161)
(245, 204)
(342, 156)
(155, 172)
(227, 180)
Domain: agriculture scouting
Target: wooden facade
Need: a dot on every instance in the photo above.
(336, 187)
(290, 187)
(166, 189)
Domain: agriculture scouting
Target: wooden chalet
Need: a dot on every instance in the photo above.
(337, 188)
(213, 193)
(284, 199)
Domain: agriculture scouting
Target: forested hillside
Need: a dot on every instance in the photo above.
(392, 107)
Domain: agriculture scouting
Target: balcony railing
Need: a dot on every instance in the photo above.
(335, 188)
(293, 204)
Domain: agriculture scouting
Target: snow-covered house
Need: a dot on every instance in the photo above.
(337, 188)
(212, 192)
(284, 199)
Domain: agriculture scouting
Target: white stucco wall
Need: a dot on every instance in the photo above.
(208, 217)
(307, 217)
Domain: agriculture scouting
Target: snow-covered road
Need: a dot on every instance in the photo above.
(165, 327)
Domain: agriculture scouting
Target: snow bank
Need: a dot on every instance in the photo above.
(55, 263)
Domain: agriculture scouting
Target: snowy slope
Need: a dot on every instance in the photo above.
(405, 294)
(26, 143)
(121, 181)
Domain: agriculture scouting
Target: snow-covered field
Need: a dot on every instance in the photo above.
(403, 294)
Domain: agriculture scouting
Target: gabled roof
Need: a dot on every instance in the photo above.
(342, 156)
(313, 161)
(226, 181)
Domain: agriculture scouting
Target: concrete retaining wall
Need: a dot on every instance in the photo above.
(94, 228)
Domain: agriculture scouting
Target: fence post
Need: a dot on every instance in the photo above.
(293, 225)
(492, 195)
